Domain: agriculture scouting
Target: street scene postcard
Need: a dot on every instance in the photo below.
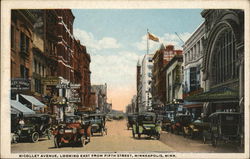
(127, 79)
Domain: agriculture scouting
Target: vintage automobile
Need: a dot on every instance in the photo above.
(131, 120)
(195, 128)
(223, 126)
(97, 122)
(147, 123)
(35, 126)
(71, 131)
(180, 121)
(168, 119)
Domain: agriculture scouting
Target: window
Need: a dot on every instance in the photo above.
(38, 86)
(24, 44)
(24, 71)
(12, 37)
(225, 57)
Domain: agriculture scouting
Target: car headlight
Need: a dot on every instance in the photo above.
(74, 130)
(61, 131)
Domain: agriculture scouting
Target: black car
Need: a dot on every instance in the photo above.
(147, 123)
(97, 122)
(223, 126)
(35, 126)
(131, 120)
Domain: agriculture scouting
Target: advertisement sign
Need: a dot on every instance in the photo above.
(50, 80)
(20, 84)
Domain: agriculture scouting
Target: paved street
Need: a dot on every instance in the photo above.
(120, 139)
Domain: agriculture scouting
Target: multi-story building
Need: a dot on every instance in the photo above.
(138, 87)
(174, 82)
(100, 93)
(146, 80)
(46, 60)
(193, 57)
(160, 59)
(223, 62)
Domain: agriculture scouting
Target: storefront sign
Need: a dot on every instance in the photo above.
(20, 84)
(74, 86)
(74, 100)
(50, 80)
(63, 85)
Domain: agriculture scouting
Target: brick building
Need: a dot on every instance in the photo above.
(160, 59)
(46, 58)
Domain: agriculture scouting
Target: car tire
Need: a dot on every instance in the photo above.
(106, 131)
(139, 136)
(214, 141)
(204, 139)
(34, 137)
(158, 136)
(57, 143)
(133, 133)
(49, 134)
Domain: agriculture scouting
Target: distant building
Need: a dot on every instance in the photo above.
(146, 80)
(100, 93)
(138, 87)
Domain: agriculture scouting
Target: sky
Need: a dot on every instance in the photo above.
(117, 38)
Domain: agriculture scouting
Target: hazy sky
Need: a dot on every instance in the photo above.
(116, 39)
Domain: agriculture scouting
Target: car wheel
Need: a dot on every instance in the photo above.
(57, 143)
(158, 136)
(139, 135)
(204, 139)
(49, 134)
(34, 137)
(191, 134)
(214, 141)
(102, 132)
(133, 133)
(106, 131)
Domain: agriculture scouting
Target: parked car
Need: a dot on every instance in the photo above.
(97, 122)
(131, 120)
(71, 131)
(147, 123)
(223, 126)
(168, 119)
(195, 128)
(35, 126)
(180, 121)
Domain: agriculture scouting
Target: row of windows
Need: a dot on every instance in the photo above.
(225, 58)
(39, 68)
(195, 52)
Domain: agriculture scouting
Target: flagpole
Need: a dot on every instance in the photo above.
(147, 42)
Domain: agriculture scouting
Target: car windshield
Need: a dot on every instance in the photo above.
(230, 119)
(72, 119)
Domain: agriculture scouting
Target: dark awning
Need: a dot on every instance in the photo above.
(33, 100)
(219, 94)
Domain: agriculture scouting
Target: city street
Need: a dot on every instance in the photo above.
(120, 139)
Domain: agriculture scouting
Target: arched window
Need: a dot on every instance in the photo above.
(224, 57)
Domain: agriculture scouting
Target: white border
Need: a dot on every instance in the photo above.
(112, 4)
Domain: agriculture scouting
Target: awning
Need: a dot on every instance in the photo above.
(17, 107)
(193, 105)
(33, 100)
(219, 94)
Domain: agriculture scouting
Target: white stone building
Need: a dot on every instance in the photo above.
(146, 80)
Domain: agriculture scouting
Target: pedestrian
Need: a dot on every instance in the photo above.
(21, 123)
